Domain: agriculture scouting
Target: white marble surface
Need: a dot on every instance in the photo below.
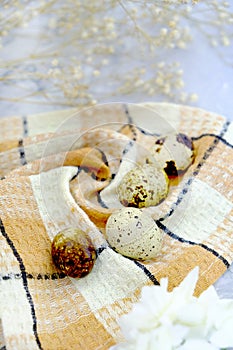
(207, 73)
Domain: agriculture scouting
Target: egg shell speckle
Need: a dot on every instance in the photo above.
(143, 186)
(133, 233)
(173, 152)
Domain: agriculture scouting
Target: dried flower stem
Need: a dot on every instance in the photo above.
(85, 44)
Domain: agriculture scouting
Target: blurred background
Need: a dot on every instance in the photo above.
(58, 54)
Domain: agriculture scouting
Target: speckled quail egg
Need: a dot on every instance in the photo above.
(174, 153)
(133, 233)
(143, 186)
(73, 252)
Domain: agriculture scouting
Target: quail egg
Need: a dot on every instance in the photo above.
(143, 186)
(174, 153)
(133, 233)
(73, 252)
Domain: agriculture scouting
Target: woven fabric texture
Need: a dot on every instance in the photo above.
(61, 170)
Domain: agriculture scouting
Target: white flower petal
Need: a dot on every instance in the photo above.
(224, 336)
(217, 310)
(164, 340)
(208, 298)
(153, 297)
(225, 312)
(178, 333)
(141, 320)
(187, 286)
(191, 314)
(142, 342)
(122, 346)
(164, 284)
(197, 344)
(164, 320)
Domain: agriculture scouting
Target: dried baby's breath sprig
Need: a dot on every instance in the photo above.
(81, 51)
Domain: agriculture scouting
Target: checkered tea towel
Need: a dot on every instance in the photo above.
(61, 170)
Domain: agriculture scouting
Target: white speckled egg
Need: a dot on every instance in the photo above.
(133, 233)
(143, 186)
(174, 153)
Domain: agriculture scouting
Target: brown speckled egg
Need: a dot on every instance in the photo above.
(133, 233)
(73, 252)
(143, 186)
(174, 153)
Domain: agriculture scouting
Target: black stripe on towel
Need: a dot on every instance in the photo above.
(22, 152)
(182, 240)
(25, 125)
(25, 282)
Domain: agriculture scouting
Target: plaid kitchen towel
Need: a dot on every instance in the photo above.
(61, 170)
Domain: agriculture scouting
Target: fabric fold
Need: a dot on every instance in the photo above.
(64, 173)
